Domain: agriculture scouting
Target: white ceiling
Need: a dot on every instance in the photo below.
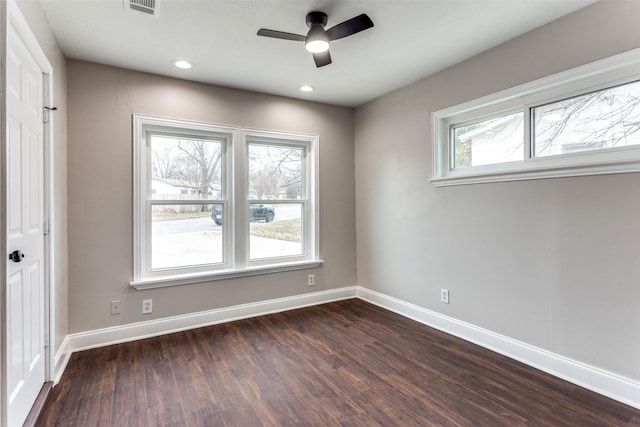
(411, 39)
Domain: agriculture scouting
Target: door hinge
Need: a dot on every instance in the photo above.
(45, 113)
(45, 228)
(46, 338)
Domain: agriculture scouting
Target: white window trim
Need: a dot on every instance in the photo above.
(236, 251)
(612, 71)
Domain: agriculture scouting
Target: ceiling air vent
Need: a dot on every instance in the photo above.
(145, 6)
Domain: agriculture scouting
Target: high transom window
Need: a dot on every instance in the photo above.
(580, 122)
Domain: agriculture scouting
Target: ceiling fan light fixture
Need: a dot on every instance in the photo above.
(317, 40)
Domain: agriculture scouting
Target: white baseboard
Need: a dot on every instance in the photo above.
(606, 383)
(616, 387)
(61, 359)
(136, 331)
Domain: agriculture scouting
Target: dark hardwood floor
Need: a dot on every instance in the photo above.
(347, 363)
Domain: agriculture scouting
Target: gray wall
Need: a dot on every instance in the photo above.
(102, 100)
(40, 27)
(554, 263)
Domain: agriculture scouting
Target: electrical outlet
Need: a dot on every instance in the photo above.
(115, 307)
(444, 296)
(311, 280)
(147, 306)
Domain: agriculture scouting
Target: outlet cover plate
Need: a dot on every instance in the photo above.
(147, 306)
(115, 307)
(444, 296)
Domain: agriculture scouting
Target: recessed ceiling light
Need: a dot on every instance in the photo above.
(182, 64)
(307, 88)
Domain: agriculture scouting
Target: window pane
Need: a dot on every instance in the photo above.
(497, 140)
(275, 230)
(186, 235)
(185, 169)
(604, 119)
(275, 172)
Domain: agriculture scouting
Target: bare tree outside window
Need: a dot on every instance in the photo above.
(200, 165)
(190, 166)
(163, 163)
(604, 119)
(275, 172)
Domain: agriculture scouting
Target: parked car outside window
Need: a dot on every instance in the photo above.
(257, 212)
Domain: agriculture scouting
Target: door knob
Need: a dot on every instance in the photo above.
(16, 256)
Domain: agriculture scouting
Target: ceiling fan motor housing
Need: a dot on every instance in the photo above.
(316, 18)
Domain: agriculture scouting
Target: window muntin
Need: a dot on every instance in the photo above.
(598, 120)
(199, 211)
(573, 151)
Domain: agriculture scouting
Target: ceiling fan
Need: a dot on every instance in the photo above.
(317, 39)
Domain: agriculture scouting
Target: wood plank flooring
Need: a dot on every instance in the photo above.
(346, 363)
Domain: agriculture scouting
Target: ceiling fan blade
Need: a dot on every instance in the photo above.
(322, 58)
(280, 35)
(350, 26)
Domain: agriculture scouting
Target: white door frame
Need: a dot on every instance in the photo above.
(10, 15)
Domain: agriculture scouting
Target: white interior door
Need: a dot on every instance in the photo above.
(25, 330)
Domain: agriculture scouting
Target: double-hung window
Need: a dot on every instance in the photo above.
(277, 186)
(213, 202)
(583, 121)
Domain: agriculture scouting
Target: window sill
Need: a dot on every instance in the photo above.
(632, 165)
(185, 279)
